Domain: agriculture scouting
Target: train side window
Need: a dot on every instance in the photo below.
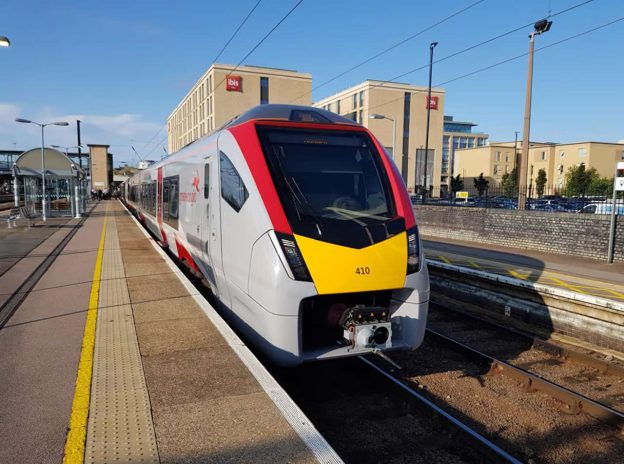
(206, 180)
(233, 189)
(171, 198)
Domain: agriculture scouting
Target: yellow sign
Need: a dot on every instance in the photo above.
(461, 195)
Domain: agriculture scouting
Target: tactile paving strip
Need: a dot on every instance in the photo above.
(120, 428)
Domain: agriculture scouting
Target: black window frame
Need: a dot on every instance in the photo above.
(235, 203)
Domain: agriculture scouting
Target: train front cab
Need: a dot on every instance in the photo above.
(338, 268)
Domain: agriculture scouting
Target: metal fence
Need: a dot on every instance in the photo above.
(549, 198)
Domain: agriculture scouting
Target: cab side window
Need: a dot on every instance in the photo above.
(233, 190)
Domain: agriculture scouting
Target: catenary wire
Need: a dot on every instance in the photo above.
(514, 57)
(392, 47)
(241, 61)
(260, 42)
(477, 45)
(234, 34)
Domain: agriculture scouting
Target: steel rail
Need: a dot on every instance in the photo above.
(574, 402)
(485, 446)
(561, 352)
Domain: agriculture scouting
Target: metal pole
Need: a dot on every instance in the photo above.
(15, 188)
(77, 194)
(524, 160)
(515, 159)
(431, 47)
(79, 144)
(43, 185)
(612, 226)
(393, 138)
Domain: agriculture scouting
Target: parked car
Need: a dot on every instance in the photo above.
(602, 208)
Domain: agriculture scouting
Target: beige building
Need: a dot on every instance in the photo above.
(223, 93)
(100, 166)
(407, 106)
(498, 158)
(457, 135)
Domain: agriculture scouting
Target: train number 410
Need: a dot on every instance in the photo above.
(362, 270)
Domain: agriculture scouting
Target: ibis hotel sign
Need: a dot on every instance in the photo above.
(619, 178)
(234, 83)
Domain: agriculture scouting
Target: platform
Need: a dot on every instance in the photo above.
(114, 357)
(584, 276)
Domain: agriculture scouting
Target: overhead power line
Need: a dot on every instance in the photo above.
(236, 31)
(260, 42)
(392, 47)
(234, 34)
(477, 45)
(516, 57)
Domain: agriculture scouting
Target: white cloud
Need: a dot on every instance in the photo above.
(117, 130)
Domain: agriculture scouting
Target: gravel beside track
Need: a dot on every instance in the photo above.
(530, 426)
(517, 350)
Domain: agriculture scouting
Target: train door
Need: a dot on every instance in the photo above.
(211, 227)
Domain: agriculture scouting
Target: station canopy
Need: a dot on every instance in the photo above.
(57, 164)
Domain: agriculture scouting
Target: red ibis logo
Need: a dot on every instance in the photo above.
(234, 83)
(433, 103)
(196, 182)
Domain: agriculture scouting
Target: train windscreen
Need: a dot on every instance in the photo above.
(330, 182)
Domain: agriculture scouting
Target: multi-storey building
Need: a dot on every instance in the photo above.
(457, 135)
(400, 112)
(556, 159)
(224, 92)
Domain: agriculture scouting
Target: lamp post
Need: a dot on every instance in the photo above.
(4, 41)
(43, 186)
(540, 28)
(432, 45)
(381, 116)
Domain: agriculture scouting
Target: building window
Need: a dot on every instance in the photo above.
(362, 98)
(582, 152)
(352, 116)
(562, 154)
(407, 100)
(495, 169)
(497, 156)
(264, 90)
(338, 106)
(354, 100)
(507, 169)
(544, 156)
(361, 121)
(233, 189)
(622, 155)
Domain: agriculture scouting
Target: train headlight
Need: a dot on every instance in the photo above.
(413, 259)
(293, 257)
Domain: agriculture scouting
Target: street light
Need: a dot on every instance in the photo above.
(43, 186)
(381, 116)
(540, 27)
(432, 45)
(4, 41)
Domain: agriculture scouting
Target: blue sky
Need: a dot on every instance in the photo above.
(122, 66)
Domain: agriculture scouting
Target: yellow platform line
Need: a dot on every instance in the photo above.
(445, 259)
(475, 265)
(77, 433)
(615, 293)
(567, 285)
(518, 275)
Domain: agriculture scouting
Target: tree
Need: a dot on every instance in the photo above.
(578, 180)
(509, 183)
(540, 182)
(481, 184)
(600, 186)
(457, 184)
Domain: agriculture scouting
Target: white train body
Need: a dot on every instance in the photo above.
(302, 227)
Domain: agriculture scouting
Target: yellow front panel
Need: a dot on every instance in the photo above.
(339, 269)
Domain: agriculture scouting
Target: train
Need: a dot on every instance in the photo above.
(301, 225)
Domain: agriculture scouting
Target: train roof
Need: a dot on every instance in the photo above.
(293, 113)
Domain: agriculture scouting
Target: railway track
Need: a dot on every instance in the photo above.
(588, 374)
(369, 415)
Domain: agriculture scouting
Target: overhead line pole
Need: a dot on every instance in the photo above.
(432, 45)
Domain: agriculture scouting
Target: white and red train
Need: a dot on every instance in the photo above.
(302, 226)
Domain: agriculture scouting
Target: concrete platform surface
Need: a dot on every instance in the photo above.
(585, 276)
